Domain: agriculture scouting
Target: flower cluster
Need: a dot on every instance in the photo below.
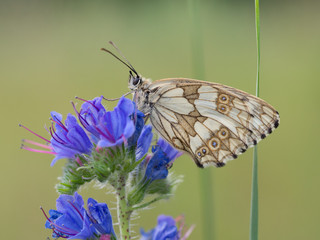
(71, 220)
(109, 147)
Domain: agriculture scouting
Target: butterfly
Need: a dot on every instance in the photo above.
(211, 122)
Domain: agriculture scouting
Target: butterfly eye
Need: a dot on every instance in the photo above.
(136, 81)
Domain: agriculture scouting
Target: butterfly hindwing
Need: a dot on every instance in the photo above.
(212, 122)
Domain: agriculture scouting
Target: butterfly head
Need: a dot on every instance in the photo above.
(135, 81)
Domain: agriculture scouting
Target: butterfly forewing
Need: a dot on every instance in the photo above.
(212, 122)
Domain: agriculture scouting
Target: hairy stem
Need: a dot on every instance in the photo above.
(124, 213)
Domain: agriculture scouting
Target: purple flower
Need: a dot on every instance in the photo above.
(167, 229)
(89, 116)
(138, 118)
(100, 216)
(163, 156)
(110, 128)
(116, 126)
(170, 152)
(67, 140)
(144, 142)
(72, 221)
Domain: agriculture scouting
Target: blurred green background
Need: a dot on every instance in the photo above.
(50, 53)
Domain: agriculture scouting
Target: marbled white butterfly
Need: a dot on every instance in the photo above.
(211, 122)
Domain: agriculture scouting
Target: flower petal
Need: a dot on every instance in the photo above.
(100, 213)
(144, 142)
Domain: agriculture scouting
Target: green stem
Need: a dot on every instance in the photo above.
(254, 198)
(207, 203)
(254, 211)
(257, 17)
(124, 213)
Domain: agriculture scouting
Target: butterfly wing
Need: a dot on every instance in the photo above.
(214, 123)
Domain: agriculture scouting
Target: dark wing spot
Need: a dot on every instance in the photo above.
(234, 156)
(198, 163)
(270, 130)
(243, 150)
(220, 164)
(263, 136)
(276, 124)
(254, 142)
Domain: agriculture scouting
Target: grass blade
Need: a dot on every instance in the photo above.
(254, 211)
(207, 206)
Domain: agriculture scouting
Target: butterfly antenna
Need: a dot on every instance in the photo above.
(127, 61)
(115, 56)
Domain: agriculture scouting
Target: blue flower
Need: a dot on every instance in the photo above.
(71, 220)
(115, 127)
(170, 152)
(166, 229)
(100, 215)
(89, 115)
(163, 156)
(138, 118)
(68, 140)
(109, 128)
(144, 142)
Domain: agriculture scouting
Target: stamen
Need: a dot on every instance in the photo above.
(44, 213)
(76, 209)
(81, 99)
(82, 120)
(36, 144)
(180, 221)
(20, 125)
(110, 137)
(59, 228)
(54, 136)
(55, 133)
(124, 139)
(59, 123)
(35, 150)
(187, 234)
